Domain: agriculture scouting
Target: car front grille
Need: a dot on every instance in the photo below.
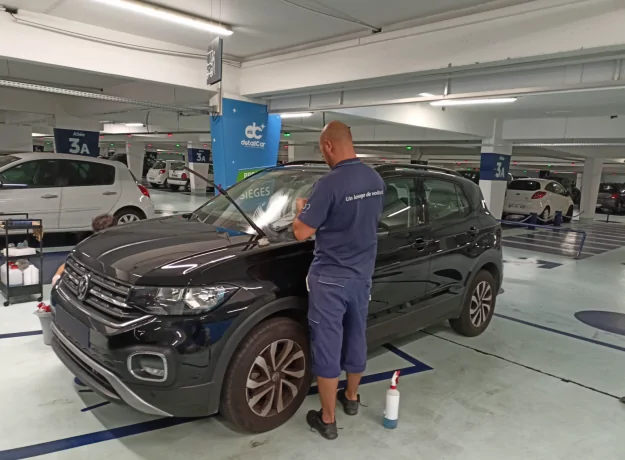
(105, 294)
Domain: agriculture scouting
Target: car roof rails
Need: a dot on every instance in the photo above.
(304, 162)
(391, 167)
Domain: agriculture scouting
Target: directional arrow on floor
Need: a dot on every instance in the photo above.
(547, 265)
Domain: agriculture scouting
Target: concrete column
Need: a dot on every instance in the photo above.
(135, 152)
(15, 138)
(198, 186)
(305, 152)
(291, 154)
(591, 179)
(494, 167)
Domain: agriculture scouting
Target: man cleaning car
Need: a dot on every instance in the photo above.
(343, 212)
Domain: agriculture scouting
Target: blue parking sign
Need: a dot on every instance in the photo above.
(199, 155)
(494, 166)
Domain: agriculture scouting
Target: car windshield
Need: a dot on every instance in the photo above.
(609, 188)
(7, 159)
(524, 185)
(159, 165)
(267, 197)
(177, 165)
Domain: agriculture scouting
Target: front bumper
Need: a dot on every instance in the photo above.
(97, 377)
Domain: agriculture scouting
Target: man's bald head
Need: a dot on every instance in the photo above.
(336, 143)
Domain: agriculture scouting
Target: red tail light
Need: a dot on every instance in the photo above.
(538, 195)
(184, 175)
(162, 171)
(144, 190)
(614, 196)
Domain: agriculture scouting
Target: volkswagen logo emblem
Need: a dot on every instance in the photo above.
(83, 287)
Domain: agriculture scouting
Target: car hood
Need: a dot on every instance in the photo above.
(160, 251)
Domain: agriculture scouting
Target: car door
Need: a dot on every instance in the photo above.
(91, 190)
(33, 187)
(402, 264)
(455, 228)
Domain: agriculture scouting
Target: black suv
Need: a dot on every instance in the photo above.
(206, 312)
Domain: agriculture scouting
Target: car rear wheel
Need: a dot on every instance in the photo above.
(127, 216)
(153, 185)
(173, 188)
(478, 307)
(269, 376)
(545, 216)
(187, 186)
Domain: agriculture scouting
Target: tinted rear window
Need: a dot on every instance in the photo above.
(609, 188)
(525, 185)
(178, 165)
(159, 165)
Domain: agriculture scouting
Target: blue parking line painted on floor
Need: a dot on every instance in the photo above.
(13, 335)
(153, 425)
(556, 331)
(95, 406)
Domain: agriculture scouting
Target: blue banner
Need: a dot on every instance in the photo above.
(198, 155)
(86, 143)
(245, 137)
(494, 166)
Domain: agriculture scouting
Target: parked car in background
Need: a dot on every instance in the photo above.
(157, 175)
(179, 177)
(148, 161)
(206, 312)
(68, 191)
(541, 196)
(611, 198)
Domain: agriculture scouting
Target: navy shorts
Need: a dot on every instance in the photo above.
(337, 316)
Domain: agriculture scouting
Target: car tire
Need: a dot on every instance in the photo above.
(154, 185)
(187, 186)
(165, 184)
(128, 215)
(255, 397)
(478, 307)
(173, 188)
(569, 215)
(546, 216)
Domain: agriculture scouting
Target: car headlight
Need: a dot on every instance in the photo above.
(180, 301)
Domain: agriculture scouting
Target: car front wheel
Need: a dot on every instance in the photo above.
(269, 376)
(127, 216)
(478, 307)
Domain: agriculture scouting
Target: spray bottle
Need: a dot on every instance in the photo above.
(391, 412)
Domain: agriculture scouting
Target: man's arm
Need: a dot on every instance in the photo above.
(300, 229)
(312, 213)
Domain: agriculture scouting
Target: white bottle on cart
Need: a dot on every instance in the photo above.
(31, 275)
(391, 412)
(16, 277)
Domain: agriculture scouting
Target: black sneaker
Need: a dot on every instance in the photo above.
(327, 430)
(350, 407)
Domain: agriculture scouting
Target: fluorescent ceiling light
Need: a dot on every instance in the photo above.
(296, 115)
(166, 14)
(130, 125)
(450, 102)
(40, 135)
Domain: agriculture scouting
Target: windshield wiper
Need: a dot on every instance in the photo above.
(258, 230)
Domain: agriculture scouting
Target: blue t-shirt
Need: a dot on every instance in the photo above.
(344, 208)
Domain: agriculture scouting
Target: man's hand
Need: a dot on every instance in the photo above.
(299, 205)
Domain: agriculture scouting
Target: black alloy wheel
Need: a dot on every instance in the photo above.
(479, 306)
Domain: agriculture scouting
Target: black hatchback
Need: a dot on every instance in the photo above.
(205, 312)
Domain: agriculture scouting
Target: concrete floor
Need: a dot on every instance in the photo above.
(538, 384)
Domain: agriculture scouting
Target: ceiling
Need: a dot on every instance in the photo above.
(260, 26)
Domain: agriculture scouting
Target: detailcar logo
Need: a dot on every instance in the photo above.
(254, 133)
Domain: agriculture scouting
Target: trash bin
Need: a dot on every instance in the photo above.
(44, 314)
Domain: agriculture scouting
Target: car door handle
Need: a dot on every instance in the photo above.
(109, 193)
(420, 244)
(473, 231)
(49, 196)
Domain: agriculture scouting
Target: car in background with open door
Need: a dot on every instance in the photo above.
(159, 173)
(180, 177)
(543, 197)
(68, 191)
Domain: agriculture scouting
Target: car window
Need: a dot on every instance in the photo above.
(402, 208)
(557, 188)
(159, 165)
(524, 185)
(6, 160)
(33, 174)
(177, 166)
(87, 173)
(445, 200)
(608, 188)
(551, 187)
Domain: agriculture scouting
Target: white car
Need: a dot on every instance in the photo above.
(541, 196)
(157, 175)
(68, 191)
(179, 177)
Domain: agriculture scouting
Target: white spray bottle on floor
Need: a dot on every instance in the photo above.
(391, 412)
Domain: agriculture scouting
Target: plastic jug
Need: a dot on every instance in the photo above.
(16, 277)
(31, 275)
(3, 273)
